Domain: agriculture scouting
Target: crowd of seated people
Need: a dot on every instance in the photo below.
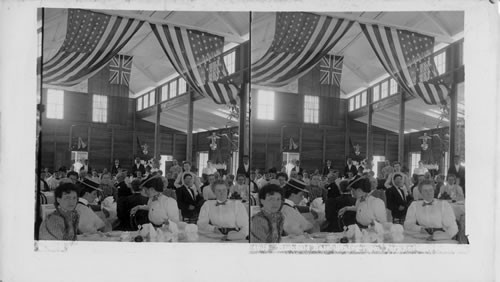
(121, 200)
(308, 202)
(356, 198)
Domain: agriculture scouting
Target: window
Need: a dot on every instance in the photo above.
(182, 86)
(55, 104)
(152, 96)
(139, 103)
(393, 87)
(311, 109)
(363, 99)
(235, 162)
(173, 88)
(351, 104)
(414, 159)
(440, 61)
(100, 108)
(202, 162)
(376, 93)
(356, 101)
(384, 89)
(164, 92)
(265, 105)
(229, 62)
(145, 101)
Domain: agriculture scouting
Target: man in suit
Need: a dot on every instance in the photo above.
(125, 204)
(332, 188)
(397, 201)
(245, 169)
(350, 167)
(137, 166)
(121, 186)
(327, 168)
(86, 167)
(189, 200)
(333, 205)
(458, 170)
(116, 167)
(297, 167)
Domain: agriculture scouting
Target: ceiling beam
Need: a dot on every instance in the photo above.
(438, 23)
(379, 15)
(130, 14)
(227, 23)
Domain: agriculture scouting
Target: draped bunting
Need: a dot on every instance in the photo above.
(405, 55)
(92, 40)
(196, 56)
(300, 41)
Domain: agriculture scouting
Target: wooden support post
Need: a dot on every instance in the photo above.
(324, 148)
(189, 141)
(134, 134)
(157, 132)
(112, 155)
(369, 129)
(89, 132)
(347, 133)
(173, 145)
(386, 146)
(453, 122)
(401, 139)
(243, 138)
(300, 144)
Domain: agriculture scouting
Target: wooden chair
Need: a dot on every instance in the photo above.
(43, 199)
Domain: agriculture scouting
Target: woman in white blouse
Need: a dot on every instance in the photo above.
(160, 208)
(368, 208)
(431, 216)
(453, 190)
(229, 218)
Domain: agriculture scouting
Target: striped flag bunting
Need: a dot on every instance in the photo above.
(196, 56)
(300, 41)
(92, 40)
(405, 55)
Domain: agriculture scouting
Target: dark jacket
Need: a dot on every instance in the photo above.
(459, 174)
(184, 200)
(332, 207)
(123, 207)
(141, 168)
(333, 190)
(394, 201)
(353, 169)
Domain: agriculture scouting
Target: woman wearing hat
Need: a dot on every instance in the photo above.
(295, 223)
(368, 208)
(267, 224)
(90, 222)
(62, 224)
(160, 208)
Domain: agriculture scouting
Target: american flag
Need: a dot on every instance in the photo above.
(299, 43)
(119, 69)
(330, 68)
(92, 40)
(193, 53)
(406, 56)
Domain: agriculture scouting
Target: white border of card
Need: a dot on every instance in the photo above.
(22, 259)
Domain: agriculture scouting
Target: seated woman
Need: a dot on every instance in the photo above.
(240, 189)
(160, 208)
(368, 208)
(62, 224)
(90, 221)
(431, 216)
(223, 216)
(267, 224)
(451, 191)
(295, 223)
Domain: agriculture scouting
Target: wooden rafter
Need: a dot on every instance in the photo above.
(438, 23)
(227, 23)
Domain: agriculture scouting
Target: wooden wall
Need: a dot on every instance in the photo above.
(317, 142)
(115, 139)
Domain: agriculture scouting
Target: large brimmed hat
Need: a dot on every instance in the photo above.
(296, 184)
(89, 183)
(148, 179)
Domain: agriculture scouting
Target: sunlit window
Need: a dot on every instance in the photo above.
(311, 109)
(164, 92)
(440, 61)
(55, 104)
(99, 108)
(363, 99)
(265, 105)
(229, 62)
(376, 93)
(173, 88)
(351, 104)
(182, 86)
(356, 101)
(393, 87)
(139, 103)
(384, 91)
(152, 96)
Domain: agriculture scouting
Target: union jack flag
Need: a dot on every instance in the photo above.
(330, 68)
(119, 69)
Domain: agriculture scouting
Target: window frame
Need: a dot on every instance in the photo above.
(97, 110)
(55, 110)
(311, 111)
(269, 112)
